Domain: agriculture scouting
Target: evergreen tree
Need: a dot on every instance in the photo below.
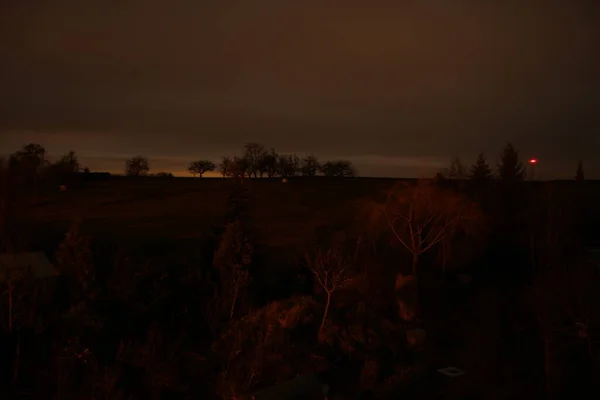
(579, 176)
(481, 171)
(510, 168)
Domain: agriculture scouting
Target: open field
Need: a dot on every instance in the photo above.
(166, 219)
(283, 214)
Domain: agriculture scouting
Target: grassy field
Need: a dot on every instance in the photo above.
(286, 216)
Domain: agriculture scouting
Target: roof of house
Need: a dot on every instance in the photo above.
(37, 261)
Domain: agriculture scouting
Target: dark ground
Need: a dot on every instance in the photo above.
(147, 216)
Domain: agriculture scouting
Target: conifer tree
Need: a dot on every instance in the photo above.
(481, 171)
(510, 168)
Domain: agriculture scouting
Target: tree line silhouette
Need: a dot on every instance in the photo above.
(257, 162)
(30, 163)
(510, 168)
(212, 319)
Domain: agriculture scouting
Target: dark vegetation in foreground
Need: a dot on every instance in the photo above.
(399, 280)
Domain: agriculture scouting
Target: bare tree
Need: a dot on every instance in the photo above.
(67, 165)
(241, 167)
(27, 165)
(288, 165)
(20, 308)
(310, 166)
(137, 166)
(259, 342)
(200, 167)
(32, 151)
(421, 216)
(338, 169)
(406, 291)
(332, 272)
(16, 284)
(268, 163)
(236, 167)
(74, 261)
(163, 175)
(254, 154)
(70, 162)
(212, 309)
(226, 166)
(231, 260)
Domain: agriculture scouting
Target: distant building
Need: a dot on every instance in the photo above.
(37, 262)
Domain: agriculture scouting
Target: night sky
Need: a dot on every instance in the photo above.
(398, 87)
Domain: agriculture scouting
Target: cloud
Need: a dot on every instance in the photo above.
(392, 79)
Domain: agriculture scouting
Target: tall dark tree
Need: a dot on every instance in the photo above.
(510, 168)
(28, 162)
(254, 154)
(137, 166)
(70, 162)
(310, 166)
(30, 155)
(200, 167)
(481, 171)
(241, 167)
(268, 163)
(288, 165)
(226, 166)
(579, 176)
(63, 169)
(33, 149)
(235, 167)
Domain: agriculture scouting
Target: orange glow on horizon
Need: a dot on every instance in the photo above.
(176, 173)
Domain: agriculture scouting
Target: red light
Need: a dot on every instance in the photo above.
(533, 161)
